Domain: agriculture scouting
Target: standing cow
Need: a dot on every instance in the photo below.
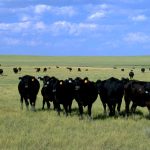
(111, 92)
(139, 93)
(28, 88)
(85, 94)
(1, 71)
(64, 94)
(131, 74)
(47, 91)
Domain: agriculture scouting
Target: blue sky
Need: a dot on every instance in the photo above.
(75, 27)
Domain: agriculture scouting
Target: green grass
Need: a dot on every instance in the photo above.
(45, 130)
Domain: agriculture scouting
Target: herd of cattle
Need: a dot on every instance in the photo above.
(38, 69)
(85, 93)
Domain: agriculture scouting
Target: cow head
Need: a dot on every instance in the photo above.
(78, 83)
(98, 85)
(27, 80)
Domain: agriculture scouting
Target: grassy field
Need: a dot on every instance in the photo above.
(43, 130)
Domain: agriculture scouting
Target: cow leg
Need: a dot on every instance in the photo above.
(54, 105)
(110, 110)
(66, 109)
(58, 109)
(27, 103)
(80, 111)
(127, 103)
(113, 108)
(89, 110)
(70, 108)
(43, 103)
(133, 108)
(48, 104)
(32, 103)
(118, 106)
(21, 102)
(104, 106)
(148, 107)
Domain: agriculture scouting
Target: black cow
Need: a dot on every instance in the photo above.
(131, 74)
(15, 70)
(139, 93)
(19, 69)
(142, 70)
(47, 91)
(79, 69)
(69, 68)
(85, 94)
(64, 94)
(1, 71)
(44, 69)
(111, 92)
(37, 69)
(122, 69)
(28, 88)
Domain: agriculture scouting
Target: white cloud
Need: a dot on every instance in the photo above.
(40, 25)
(137, 37)
(72, 28)
(41, 8)
(139, 18)
(56, 28)
(15, 26)
(97, 15)
(104, 6)
(70, 11)
(65, 10)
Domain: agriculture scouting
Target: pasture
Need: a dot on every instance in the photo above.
(43, 129)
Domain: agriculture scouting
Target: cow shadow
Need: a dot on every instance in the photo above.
(122, 114)
(100, 117)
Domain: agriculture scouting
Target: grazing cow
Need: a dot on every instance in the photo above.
(45, 69)
(28, 88)
(64, 94)
(57, 66)
(85, 94)
(142, 70)
(79, 69)
(37, 69)
(47, 91)
(111, 93)
(1, 71)
(131, 74)
(139, 93)
(122, 69)
(15, 70)
(19, 69)
(69, 68)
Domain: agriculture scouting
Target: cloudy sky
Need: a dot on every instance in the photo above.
(75, 27)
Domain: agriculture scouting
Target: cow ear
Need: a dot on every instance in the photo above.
(20, 78)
